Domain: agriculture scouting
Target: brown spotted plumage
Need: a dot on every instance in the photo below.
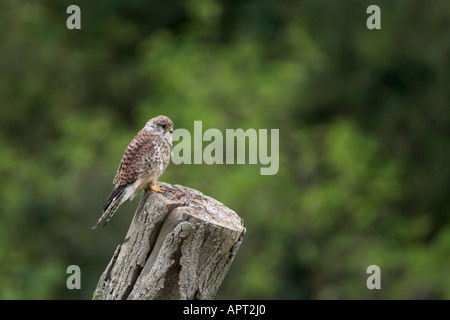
(133, 161)
(145, 160)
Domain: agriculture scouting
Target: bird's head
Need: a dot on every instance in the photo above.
(160, 125)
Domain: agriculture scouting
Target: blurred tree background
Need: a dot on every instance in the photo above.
(364, 138)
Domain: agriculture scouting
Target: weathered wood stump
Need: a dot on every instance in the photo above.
(180, 245)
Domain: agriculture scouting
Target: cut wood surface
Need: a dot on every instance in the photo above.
(180, 245)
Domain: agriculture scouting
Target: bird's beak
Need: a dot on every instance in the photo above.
(171, 129)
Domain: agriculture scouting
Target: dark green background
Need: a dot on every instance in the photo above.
(364, 138)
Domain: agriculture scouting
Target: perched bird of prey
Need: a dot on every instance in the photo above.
(144, 161)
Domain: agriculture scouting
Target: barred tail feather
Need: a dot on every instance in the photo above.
(112, 204)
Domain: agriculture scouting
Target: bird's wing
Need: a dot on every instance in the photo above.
(132, 165)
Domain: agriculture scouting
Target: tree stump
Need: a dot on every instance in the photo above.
(180, 245)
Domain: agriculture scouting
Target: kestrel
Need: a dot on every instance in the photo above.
(145, 160)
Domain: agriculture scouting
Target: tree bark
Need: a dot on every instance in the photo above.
(180, 245)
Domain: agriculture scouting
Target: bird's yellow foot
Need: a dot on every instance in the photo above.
(156, 188)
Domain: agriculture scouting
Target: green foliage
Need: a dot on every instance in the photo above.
(364, 140)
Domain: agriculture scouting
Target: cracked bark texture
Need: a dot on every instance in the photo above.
(180, 245)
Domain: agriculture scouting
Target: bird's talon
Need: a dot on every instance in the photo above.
(156, 188)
